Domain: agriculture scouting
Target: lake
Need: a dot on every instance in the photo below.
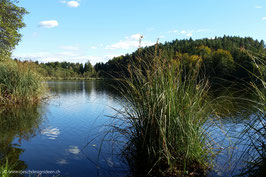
(70, 134)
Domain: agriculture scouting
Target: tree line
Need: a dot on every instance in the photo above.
(221, 58)
(63, 70)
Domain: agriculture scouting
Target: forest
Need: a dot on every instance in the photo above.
(62, 70)
(222, 58)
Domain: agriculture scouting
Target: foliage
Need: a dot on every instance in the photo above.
(222, 62)
(11, 20)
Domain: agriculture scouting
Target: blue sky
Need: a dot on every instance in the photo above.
(97, 30)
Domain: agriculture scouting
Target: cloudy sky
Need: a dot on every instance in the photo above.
(97, 30)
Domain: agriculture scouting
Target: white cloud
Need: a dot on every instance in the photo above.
(48, 24)
(62, 162)
(183, 32)
(70, 47)
(127, 44)
(71, 3)
(51, 133)
(190, 33)
(123, 45)
(258, 7)
(69, 56)
(173, 31)
(93, 47)
(74, 150)
(136, 36)
(264, 18)
(130, 42)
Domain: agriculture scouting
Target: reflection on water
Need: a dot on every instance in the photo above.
(64, 134)
(17, 124)
(50, 132)
(74, 149)
(67, 133)
(233, 145)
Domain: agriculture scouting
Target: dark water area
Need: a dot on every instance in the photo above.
(66, 134)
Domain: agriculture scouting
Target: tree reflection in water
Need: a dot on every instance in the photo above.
(19, 123)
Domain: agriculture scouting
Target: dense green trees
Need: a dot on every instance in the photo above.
(88, 70)
(222, 62)
(220, 59)
(224, 57)
(63, 70)
(11, 20)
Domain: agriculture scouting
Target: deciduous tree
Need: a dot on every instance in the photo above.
(11, 20)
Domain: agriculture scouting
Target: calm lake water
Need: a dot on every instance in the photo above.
(65, 135)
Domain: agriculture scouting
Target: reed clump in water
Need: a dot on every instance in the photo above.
(19, 84)
(165, 112)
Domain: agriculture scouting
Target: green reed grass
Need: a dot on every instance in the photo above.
(255, 153)
(19, 83)
(4, 169)
(165, 113)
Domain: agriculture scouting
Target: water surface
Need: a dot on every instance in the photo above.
(66, 134)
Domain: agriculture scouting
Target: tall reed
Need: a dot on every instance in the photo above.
(19, 83)
(165, 111)
(4, 169)
(255, 153)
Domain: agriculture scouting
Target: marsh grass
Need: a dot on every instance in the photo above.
(7, 169)
(19, 83)
(4, 168)
(165, 110)
(255, 152)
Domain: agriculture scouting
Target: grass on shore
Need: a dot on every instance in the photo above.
(19, 84)
(165, 113)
